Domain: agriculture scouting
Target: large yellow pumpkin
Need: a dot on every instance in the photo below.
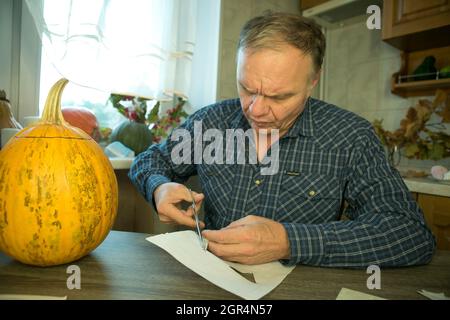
(58, 191)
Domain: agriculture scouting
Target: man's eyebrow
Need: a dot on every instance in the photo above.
(281, 95)
(244, 87)
(275, 96)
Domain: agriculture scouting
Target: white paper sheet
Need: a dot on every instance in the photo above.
(433, 295)
(348, 294)
(29, 297)
(184, 247)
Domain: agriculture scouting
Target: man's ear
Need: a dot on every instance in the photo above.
(314, 80)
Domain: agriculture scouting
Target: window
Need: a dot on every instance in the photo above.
(142, 47)
(159, 38)
(76, 95)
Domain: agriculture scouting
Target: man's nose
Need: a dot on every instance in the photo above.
(258, 106)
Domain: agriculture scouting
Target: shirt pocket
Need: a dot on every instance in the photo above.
(309, 198)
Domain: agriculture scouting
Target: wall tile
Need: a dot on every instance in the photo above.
(228, 90)
(389, 100)
(228, 65)
(292, 6)
(235, 14)
(364, 44)
(388, 51)
(259, 6)
(338, 47)
(362, 86)
(337, 86)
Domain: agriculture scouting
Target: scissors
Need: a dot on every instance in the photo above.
(197, 223)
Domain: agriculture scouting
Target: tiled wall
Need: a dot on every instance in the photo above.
(358, 72)
(234, 14)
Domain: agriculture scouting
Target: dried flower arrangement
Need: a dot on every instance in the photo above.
(415, 135)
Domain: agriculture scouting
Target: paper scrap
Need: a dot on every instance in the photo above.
(348, 294)
(183, 246)
(433, 295)
(29, 297)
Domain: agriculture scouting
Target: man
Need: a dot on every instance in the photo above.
(326, 156)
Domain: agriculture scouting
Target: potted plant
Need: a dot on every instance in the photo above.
(133, 132)
(143, 127)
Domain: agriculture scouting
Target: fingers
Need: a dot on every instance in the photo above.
(198, 198)
(227, 243)
(244, 221)
(226, 236)
(168, 198)
(182, 218)
(242, 253)
(173, 214)
(174, 193)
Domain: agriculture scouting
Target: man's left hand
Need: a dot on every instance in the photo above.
(250, 240)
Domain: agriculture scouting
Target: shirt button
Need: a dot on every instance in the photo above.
(258, 182)
(312, 193)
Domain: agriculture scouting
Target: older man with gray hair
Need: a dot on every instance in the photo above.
(327, 157)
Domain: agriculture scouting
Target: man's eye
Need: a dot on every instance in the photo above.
(278, 98)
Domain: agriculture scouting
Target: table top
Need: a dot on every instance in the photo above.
(126, 266)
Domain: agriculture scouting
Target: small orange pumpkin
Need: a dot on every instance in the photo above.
(84, 119)
(58, 191)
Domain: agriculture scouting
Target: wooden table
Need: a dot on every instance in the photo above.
(126, 266)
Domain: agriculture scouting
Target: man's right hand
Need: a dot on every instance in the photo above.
(168, 198)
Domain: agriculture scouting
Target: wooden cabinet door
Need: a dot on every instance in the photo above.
(306, 4)
(437, 215)
(425, 19)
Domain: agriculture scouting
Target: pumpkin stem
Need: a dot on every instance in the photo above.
(52, 110)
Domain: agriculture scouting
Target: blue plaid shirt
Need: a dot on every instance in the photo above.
(329, 155)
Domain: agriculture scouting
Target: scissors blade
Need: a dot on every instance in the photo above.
(197, 222)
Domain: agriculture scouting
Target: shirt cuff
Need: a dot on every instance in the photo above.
(153, 182)
(307, 244)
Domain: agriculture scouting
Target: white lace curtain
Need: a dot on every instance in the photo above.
(142, 47)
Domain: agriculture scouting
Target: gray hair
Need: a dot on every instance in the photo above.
(275, 29)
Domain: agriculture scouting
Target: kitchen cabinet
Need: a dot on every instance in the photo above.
(420, 29)
(437, 216)
(412, 25)
(404, 87)
(135, 214)
(306, 4)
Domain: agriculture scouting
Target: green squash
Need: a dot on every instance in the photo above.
(134, 135)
